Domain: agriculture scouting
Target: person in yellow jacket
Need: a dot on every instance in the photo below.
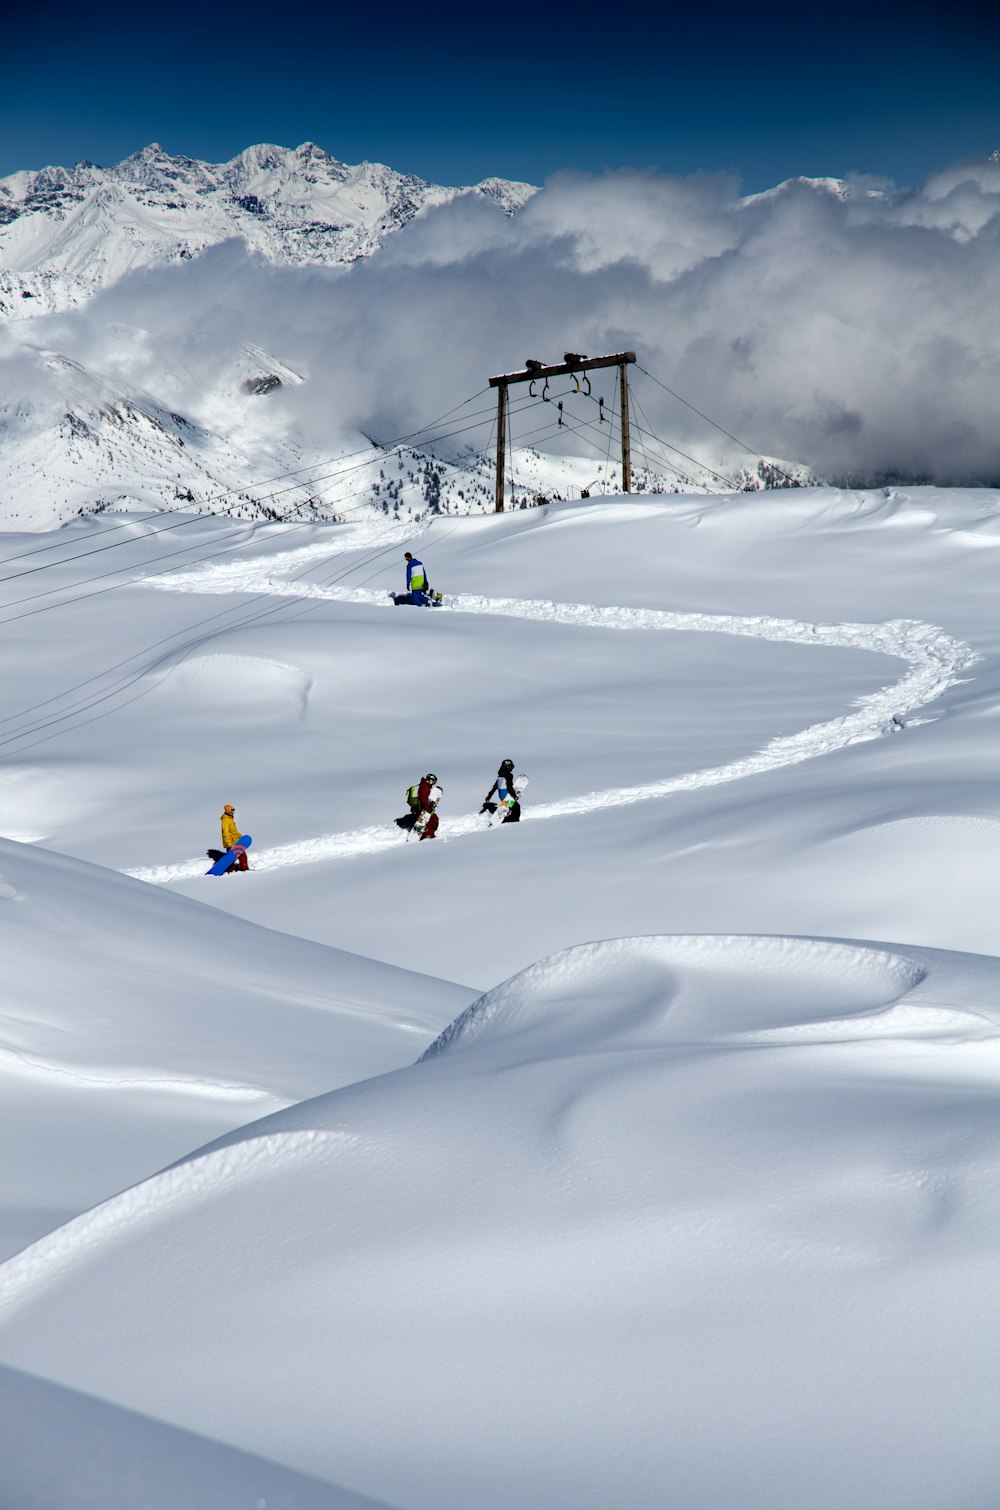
(231, 836)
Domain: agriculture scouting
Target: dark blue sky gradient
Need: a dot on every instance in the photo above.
(455, 94)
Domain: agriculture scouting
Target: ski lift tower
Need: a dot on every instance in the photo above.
(575, 366)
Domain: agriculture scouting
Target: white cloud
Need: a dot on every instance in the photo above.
(853, 329)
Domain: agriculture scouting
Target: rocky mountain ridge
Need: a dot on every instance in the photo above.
(64, 231)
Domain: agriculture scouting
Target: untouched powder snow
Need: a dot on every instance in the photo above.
(62, 1448)
(695, 1221)
(131, 1031)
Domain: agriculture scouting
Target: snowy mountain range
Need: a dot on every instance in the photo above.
(67, 231)
(85, 436)
(213, 379)
(86, 440)
(81, 436)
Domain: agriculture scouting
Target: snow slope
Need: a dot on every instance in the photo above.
(735, 663)
(654, 706)
(62, 1448)
(696, 1204)
(132, 1029)
(935, 660)
(701, 1221)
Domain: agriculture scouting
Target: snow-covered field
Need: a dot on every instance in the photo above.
(696, 1206)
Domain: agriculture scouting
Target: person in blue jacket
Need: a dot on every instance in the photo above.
(416, 581)
(418, 589)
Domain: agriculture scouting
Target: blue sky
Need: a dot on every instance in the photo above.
(457, 93)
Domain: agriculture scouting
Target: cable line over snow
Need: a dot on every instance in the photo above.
(239, 528)
(730, 486)
(793, 481)
(214, 554)
(574, 367)
(387, 449)
(532, 373)
(243, 527)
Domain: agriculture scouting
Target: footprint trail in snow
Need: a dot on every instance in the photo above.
(936, 662)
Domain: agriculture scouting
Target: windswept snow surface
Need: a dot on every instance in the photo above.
(688, 1221)
(703, 1214)
(61, 1448)
(132, 1030)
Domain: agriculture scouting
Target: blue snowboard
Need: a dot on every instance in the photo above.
(221, 866)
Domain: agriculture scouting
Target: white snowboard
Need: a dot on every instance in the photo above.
(495, 819)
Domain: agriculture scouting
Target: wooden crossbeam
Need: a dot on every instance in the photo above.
(561, 369)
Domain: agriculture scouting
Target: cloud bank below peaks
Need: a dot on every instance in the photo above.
(839, 324)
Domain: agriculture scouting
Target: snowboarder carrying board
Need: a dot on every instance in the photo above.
(232, 860)
(230, 836)
(422, 799)
(507, 793)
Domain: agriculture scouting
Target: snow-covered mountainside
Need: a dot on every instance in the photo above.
(81, 441)
(293, 207)
(92, 443)
(39, 292)
(84, 442)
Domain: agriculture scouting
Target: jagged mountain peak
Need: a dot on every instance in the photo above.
(309, 150)
(293, 205)
(836, 188)
(263, 155)
(153, 155)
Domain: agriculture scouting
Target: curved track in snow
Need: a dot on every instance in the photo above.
(935, 660)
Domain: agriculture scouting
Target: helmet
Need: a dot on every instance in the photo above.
(229, 808)
(430, 776)
(506, 765)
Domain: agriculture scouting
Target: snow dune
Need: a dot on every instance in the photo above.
(67, 1449)
(131, 1031)
(648, 1197)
